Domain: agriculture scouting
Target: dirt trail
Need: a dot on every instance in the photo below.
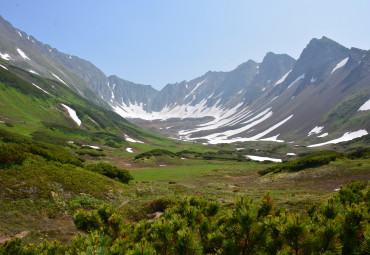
(22, 234)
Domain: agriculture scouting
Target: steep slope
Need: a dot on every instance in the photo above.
(325, 74)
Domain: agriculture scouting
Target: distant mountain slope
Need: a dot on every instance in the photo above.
(50, 111)
(312, 99)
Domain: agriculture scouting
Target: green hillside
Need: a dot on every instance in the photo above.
(28, 109)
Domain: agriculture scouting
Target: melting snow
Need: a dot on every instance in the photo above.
(258, 158)
(222, 137)
(283, 78)
(4, 67)
(73, 114)
(272, 139)
(5, 56)
(59, 79)
(340, 64)
(346, 137)
(129, 139)
(271, 128)
(31, 71)
(313, 79)
(23, 55)
(92, 146)
(296, 80)
(40, 88)
(129, 150)
(315, 130)
(171, 111)
(365, 106)
(240, 92)
(323, 135)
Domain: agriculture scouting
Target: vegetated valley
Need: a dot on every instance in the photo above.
(77, 178)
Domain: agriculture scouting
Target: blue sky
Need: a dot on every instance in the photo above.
(167, 41)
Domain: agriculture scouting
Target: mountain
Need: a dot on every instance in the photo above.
(313, 99)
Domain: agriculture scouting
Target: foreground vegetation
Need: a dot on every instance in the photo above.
(50, 191)
(199, 226)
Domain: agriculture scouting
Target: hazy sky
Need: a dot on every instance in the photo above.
(156, 42)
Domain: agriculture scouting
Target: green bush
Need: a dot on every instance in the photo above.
(361, 153)
(197, 226)
(48, 151)
(11, 154)
(90, 152)
(156, 153)
(85, 201)
(112, 172)
(308, 161)
(87, 220)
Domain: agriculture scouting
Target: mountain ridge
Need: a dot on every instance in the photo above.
(280, 98)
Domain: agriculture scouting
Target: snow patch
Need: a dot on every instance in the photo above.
(283, 78)
(92, 146)
(323, 135)
(258, 158)
(296, 80)
(316, 130)
(59, 79)
(340, 64)
(271, 128)
(19, 33)
(272, 139)
(348, 136)
(313, 79)
(40, 88)
(365, 106)
(136, 110)
(129, 139)
(4, 67)
(23, 55)
(129, 150)
(31, 71)
(5, 56)
(290, 154)
(72, 114)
